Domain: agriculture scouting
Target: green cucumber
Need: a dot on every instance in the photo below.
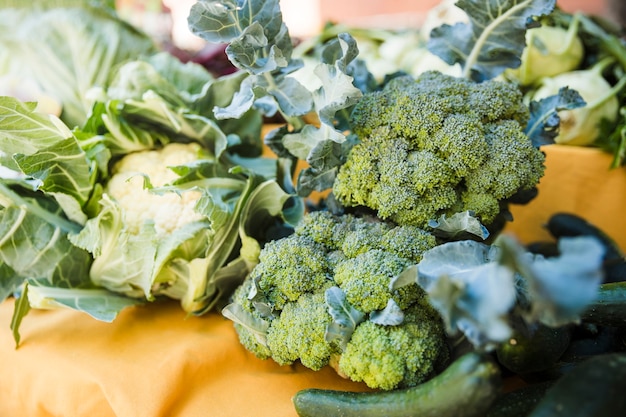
(519, 402)
(595, 387)
(571, 225)
(467, 388)
(535, 352)
(609, 307)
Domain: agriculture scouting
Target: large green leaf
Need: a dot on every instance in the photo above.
(494, 38)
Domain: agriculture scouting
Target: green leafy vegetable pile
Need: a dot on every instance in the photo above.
(136, 191)
(420, 172)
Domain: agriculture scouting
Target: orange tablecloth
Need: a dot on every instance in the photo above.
(152, 361)
(576, 180)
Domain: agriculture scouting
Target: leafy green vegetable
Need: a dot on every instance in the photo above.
(544, 122)
(494, 38)
(481, 289)
(259, 44)
(81, 48)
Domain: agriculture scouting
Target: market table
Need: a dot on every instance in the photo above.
(154, 361)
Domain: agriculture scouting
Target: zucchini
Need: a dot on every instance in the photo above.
(609, 307)
(535, 352)
(593, 388)
(520, 402)
(570, 225)
(466, 388)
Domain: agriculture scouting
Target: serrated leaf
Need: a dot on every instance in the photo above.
(493, 39)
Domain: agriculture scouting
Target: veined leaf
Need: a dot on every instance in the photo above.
(544, 122)
(25, 131)
(494, 38)
(222, 21)
(345, 317)
(100, 304)
(62, 168)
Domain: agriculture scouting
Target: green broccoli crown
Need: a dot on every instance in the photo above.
(428, 146)
(298, 332)
(286, 310)
(389, 357)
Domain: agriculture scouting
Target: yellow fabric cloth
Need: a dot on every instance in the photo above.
(152, 361)
(577, 180)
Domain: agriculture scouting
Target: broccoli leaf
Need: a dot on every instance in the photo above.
(457, 225)
(258, 327)
(345, 317)
(225, 20)
(391, 315)
(472, 292)
(493, 39)
(543, 125)
(259, 44)
(557, 289)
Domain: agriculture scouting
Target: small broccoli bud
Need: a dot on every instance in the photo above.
(298, 333)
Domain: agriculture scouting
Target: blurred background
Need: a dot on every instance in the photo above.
(168, 18)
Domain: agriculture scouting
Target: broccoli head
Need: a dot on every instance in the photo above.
(419, 352)
(335, 288)
(439, 145)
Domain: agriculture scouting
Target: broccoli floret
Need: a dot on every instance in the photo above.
(298, 333)
(436, 146)
(313, 289)
(290, 267)
(390, 357)
(408, 242)
(365, 279)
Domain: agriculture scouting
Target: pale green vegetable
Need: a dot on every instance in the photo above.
(550, 51)
(581, 126)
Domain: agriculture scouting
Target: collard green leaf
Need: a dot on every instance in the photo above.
(493, 39)
(543, 125)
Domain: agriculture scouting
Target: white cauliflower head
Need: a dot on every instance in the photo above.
(169, 211)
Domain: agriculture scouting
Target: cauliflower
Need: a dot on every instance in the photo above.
(330, 294)
(169, 211)
(439, 145)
